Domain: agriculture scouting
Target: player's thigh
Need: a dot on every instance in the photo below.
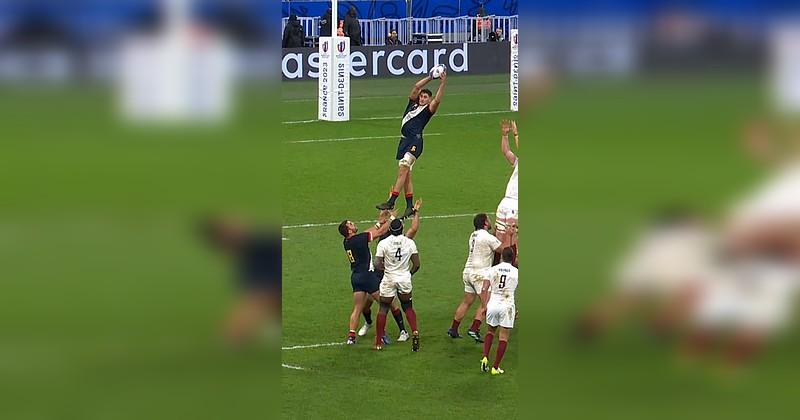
(359, 299)
(404, 289)
(473, 283)
(388, 289)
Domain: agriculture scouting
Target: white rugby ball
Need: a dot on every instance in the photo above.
(437, 71)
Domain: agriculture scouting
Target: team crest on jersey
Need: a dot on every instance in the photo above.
(325, 46)
(341, 47)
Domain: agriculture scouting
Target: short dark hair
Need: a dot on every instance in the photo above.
(507, 254)
(428, 91)
(396, 227)
(480, 220)
(343, 228)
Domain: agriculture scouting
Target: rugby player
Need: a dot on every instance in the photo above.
(398, 258)
(363, 278)
(482, 246)
(502, 280)
(257, 257)
(396, 312)
(507, 210)
(422, 105)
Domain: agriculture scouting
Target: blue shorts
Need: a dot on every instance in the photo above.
(365, 282)
(412, 145)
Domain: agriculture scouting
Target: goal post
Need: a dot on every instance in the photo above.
(334, 73)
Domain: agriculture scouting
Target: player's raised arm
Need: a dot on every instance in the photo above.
(505, 127)
(434, 105)
(381, 226)
(414, 95)
(412, 231)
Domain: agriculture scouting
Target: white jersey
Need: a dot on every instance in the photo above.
(503, 278)
(779, 198)
(396, 251)
(482, 245)
(512, 187)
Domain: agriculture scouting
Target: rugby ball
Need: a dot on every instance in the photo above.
(437, 71)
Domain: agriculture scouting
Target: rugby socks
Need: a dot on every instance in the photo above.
(501, 350)
(367, 315)
(487, 343)
(398, 318)
(393, 197)
(476, 325)
(455, 325)
(412, 319)
(381, 328)
(409, 200)
(351, 334)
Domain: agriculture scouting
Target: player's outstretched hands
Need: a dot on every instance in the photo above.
(443, 76)
(505, 127)
(417, 205)
(384, 215)
(514, 127)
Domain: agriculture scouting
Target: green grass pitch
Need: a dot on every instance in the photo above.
(461, 172)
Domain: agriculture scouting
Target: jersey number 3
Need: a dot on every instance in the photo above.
(350, 256)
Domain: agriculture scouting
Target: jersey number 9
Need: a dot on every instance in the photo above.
(502, 282)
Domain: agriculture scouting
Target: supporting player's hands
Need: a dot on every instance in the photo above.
(514, 127)
(443, 76)
(417, 205)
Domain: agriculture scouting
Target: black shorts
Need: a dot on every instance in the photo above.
(364, 282)
(412, 145)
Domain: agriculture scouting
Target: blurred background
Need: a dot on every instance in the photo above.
(663, 198)
(139, 209)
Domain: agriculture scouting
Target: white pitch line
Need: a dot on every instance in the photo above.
(311, 346)
(379, 97)
(292, 367)
(313, 225)
(394, 136)
(454, 114)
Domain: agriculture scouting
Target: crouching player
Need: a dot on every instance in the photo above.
(500, 311)
(398, 258)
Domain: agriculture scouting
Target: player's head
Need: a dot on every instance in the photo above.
(425, 96)
(347, 228)
(508, 254)
(224, 232)
(396, 227)
(352, 11)
(482, 221)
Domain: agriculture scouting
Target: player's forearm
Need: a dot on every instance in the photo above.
(506, 149)
(440, 91)
(422, 82)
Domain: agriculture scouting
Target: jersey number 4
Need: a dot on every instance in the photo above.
(502, 282)
(398, 254)
(350, 256)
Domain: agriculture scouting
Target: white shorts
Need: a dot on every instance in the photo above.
(500, 315)
(392, 285)
(761, 300)
(408, 160)
(507, 210)
(473, 281)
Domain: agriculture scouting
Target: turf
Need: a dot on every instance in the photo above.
(461, 172)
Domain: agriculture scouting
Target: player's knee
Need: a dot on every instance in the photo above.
(385, 306)
(406, 304)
